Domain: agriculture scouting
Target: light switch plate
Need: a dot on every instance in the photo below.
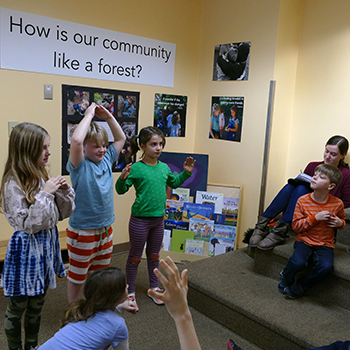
(48, 92)
(11, 126)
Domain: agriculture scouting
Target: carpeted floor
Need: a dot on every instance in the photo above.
(150, 329)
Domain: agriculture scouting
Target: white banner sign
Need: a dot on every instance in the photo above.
(46, 45)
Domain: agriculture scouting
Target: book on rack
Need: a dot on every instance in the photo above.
(173, 210)
(174, 224)
(166, 245)
(194, 246)
(219, 245)
(216, 199)
(224, 219)
(197, 211)
(202, 229)
(180, 194)
(178, 240)
(224, 231)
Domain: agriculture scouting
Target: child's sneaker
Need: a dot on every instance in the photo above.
(132, 298)
(294, 291)
(157, 301)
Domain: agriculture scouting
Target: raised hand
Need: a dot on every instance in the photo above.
(125, 172)
(189, 165)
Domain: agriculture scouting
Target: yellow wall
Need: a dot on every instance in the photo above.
(321, 102)
(21, 93)
(289, 27)
(233, 162)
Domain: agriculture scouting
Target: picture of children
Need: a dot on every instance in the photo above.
(227, 117)
(77, 102)
(170, 114)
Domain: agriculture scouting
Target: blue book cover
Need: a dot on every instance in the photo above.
(178, 225)
(197, 211)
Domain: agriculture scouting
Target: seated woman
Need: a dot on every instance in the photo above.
(285, 201)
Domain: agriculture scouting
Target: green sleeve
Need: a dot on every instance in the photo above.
(122, 186)
(176, 181)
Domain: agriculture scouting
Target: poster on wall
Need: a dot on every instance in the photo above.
(72, 49)
(231, 61)
(226, 118)
(123, 105)
(170, 114)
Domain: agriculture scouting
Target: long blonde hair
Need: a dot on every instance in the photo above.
(24, 150)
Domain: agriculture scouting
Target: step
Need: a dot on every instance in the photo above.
(334, 289)
(227, 289)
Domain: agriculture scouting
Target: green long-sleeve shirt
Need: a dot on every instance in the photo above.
(150, 185)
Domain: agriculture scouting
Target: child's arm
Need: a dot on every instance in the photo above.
(31, 218)
(302, 221)
(64, 198)
(117, 131)
(176, 181)
(175, 299)
(76, 154)
(122, 186)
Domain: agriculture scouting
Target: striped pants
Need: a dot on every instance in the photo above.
(88, 250)
(141, 231)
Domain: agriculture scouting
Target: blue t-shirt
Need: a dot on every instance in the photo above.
(215, 121)
(93, 185)
(103, 330)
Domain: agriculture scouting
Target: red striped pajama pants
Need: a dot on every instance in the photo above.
(88, 250)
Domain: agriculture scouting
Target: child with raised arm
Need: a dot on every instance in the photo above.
(175, 299)
(89, 233)
(315, 219)
(33, 203)
(149, 177)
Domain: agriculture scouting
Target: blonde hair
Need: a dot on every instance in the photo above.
(96, 133)
(25, 147)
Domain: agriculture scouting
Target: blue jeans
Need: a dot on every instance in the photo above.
(339, 345)
(323, 258)
(285, 202)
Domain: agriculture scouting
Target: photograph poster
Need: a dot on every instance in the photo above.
(226, 118)
(170, 114)
(123, 105)
(231, 61)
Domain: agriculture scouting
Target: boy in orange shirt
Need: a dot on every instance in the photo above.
(316, 217)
